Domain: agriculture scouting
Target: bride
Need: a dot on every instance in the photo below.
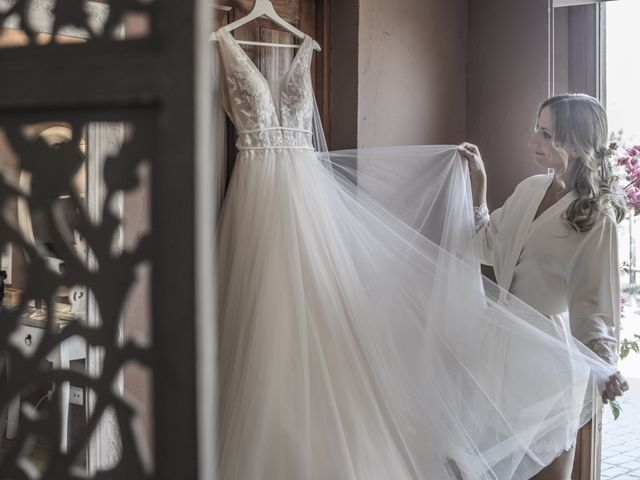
(554, 242)
(357, 337)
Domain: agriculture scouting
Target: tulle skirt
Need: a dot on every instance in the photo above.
(359, 341)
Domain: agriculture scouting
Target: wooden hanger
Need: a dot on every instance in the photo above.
(264, 8)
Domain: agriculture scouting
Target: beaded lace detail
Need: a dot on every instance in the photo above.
(251, 106)
(250, 99)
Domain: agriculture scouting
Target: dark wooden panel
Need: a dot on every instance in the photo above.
(587, 462)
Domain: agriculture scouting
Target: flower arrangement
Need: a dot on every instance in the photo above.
(630, 162)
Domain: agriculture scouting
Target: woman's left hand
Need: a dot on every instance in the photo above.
(614, 387)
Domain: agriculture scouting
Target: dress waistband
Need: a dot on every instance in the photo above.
(279, 147)
(267, 129)
(273, 142)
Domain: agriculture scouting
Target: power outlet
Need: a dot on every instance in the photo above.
(76, 396)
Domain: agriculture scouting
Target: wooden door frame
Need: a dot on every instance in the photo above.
(586, 73)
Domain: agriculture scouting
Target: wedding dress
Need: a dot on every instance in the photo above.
(357, 340)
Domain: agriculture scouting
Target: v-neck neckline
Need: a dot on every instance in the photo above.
(526, 229)
(551, 208)
(285, 78)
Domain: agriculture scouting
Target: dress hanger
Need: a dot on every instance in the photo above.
(265, 8)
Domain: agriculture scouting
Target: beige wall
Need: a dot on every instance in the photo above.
(434, 71)
(411, 77)
(507, 79)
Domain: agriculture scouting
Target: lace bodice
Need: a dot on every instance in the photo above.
(260, 121)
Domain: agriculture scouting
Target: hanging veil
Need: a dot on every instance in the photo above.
(515, 387)
(358, 338)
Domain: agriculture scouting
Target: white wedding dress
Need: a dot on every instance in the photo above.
(357, 341)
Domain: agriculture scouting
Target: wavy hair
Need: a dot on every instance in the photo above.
(580, 133)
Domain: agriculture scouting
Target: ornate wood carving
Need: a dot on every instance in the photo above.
(108, 274)
(145, 64)
(76, 18)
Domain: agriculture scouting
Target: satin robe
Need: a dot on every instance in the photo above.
(571, 277)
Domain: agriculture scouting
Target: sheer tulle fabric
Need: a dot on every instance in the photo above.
(357, 338)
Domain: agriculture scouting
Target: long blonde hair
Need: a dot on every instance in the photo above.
(580, 127)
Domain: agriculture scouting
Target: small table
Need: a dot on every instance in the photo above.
(27, 338)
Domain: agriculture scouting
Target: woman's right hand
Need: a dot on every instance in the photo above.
(472, 153)
(477, 175)
(615, 386)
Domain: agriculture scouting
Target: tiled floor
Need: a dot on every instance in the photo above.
(621, 438)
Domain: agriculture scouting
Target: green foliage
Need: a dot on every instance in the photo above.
(626, 346)
(616, 409)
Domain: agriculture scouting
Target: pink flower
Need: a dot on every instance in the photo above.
(633, 197)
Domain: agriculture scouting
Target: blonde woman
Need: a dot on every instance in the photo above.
(553, 243)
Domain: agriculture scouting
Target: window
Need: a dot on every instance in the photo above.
(621, 442)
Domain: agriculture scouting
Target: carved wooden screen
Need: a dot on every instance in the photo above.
(106, 189)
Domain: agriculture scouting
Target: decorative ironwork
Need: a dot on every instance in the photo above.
(108, 275)
(95, 20)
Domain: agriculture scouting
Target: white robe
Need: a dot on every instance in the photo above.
(571, 277)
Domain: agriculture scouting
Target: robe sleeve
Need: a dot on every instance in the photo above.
(484, 238)
(593, 291)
